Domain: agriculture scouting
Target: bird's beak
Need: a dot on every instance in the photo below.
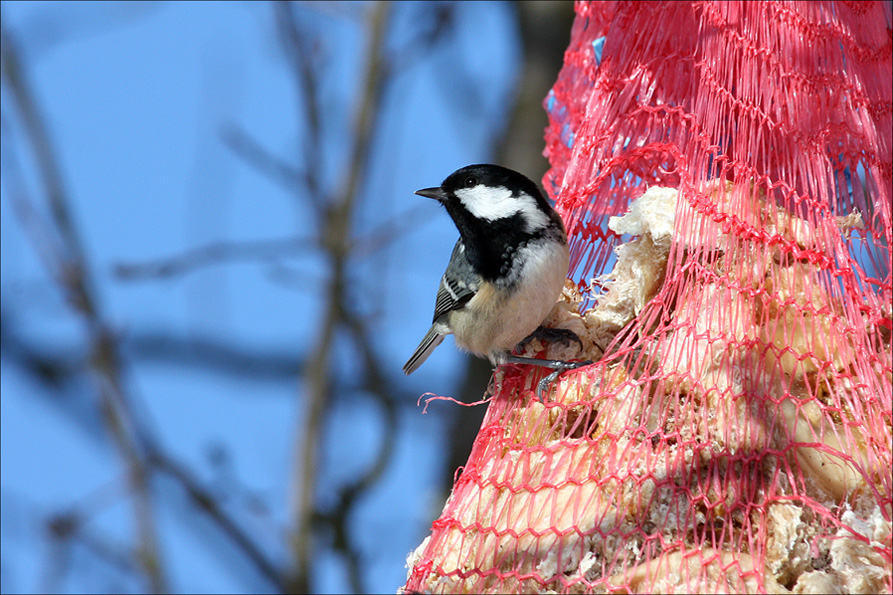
(435, 193)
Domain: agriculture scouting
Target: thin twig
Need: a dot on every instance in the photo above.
(264, 161)
(377, 385)
(305, 62)
(213, 253)
(208, 504)
(388, 231)
(68, 530)
(423, 42)
(336, 232)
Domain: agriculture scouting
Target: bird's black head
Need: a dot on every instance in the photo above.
(497, 210)
(491, 176)
(487, 193)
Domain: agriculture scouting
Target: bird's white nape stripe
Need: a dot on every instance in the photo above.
(496, 202)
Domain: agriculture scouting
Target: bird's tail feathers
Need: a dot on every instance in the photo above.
(432, 339)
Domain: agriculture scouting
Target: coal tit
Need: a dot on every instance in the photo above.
(507, 269)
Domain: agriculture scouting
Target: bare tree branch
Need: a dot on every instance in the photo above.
(253, 153)
(214, 253)
(378, 385)
(420, 45)
(208, 504)
(68, 265)
(386, 232)
(337, 242)
(304, 56)
(76, 281)
(67, 530)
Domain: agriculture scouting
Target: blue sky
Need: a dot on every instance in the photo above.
(135, 96)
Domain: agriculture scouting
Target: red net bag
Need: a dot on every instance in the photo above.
(724, 171)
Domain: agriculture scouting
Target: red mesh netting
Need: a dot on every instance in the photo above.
(724, 170)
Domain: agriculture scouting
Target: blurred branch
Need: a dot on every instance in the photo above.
(50, 369)
(214, 354)
(264, 161)
(213, 253)
(137, 447)
(301, 49)
(388, 231)
(424, 41)
(377, 385)
(44, 33)
(67, 530)
(336, 234)
(73, 277)
(57, 367)
(68, 525)
(41, 145)
(208, 504)
(34, 224)
(544, 32)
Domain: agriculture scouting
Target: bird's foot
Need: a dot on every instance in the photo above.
(557, 366)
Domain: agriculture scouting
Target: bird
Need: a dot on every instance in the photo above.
(506, 272)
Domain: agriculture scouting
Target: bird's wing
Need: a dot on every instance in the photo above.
(458, 285)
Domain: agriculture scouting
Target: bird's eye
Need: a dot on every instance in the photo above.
(471, 181)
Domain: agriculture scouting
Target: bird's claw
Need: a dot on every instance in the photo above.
(543, 385)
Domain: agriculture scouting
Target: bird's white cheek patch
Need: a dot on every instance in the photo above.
(488, 202)
(491, 203)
